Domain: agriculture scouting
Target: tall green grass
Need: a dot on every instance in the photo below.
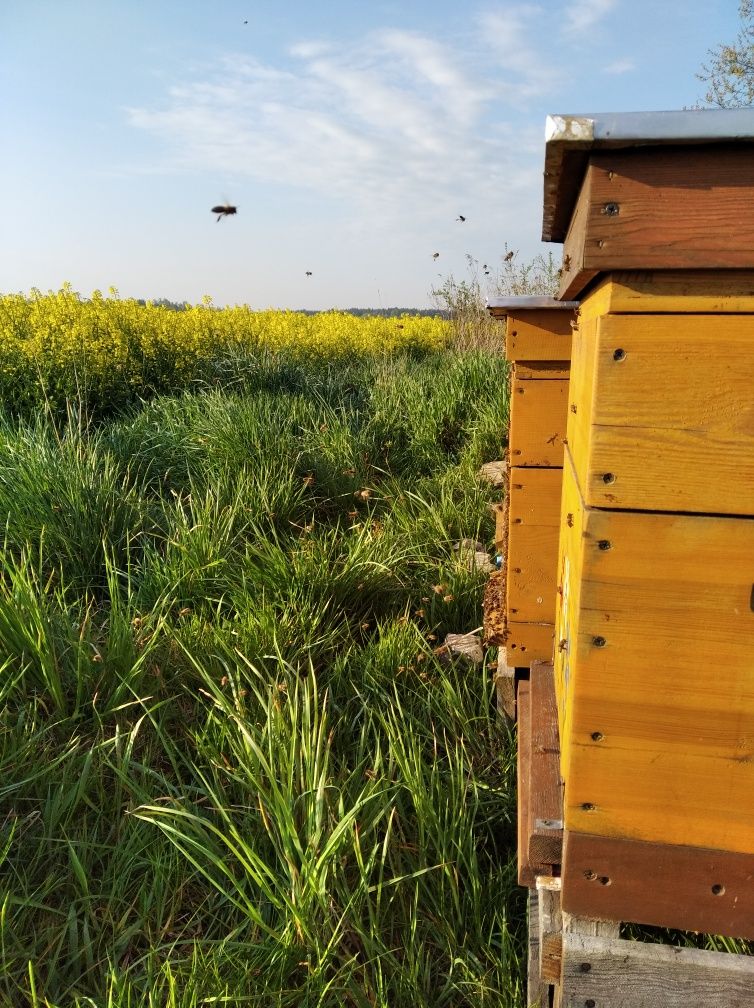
(232, 768)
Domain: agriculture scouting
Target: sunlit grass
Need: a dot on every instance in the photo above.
(233, 770)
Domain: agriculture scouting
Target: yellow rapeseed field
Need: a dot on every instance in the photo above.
(58, 344)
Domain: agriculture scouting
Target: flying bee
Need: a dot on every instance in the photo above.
(224, 211)
(308, 272)
(461, 218)
(435, 255)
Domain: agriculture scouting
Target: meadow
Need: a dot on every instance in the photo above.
(234, 768)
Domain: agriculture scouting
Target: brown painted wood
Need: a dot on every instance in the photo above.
(691, 888)
(545, 794)
(615, 973)
(661, 209)
(527, 869)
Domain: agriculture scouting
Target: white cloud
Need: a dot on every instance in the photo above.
(394, 121)
(620, 67)
(582, 15)
(514, 33)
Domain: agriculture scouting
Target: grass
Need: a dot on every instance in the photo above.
(233, 769)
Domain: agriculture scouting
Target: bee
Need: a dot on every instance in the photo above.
(224, 211)
(460, 217)
(308, 272)
(435, 255)
(509, 256)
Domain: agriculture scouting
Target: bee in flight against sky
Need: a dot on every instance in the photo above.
(224, 211)
(308, 272)
(460, 217)
(435, 255)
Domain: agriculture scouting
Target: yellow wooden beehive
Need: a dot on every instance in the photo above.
(654, 657)
(538, 344)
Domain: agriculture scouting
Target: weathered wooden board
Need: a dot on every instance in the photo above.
(690, 292)
(537, 991)
(539, 335)
(676, 886)
(550, 937)
(539, 411)
(615, 973)
(653, 663)
(545, 829)
(528, 642)
(653, 209)
(661, 413)
(505, 686)
(527, 869)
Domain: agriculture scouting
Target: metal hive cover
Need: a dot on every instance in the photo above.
(569, 139)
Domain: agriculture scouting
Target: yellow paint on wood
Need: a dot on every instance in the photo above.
(654, 669)
(538, 422)
(699, 292)
(540, 369)
(532, 548)
(528, 642)
(664, 415)
(500, 525)
(542, 334)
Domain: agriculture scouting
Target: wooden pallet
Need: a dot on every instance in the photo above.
(575, 961)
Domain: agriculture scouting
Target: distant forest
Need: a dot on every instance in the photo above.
(384, 312)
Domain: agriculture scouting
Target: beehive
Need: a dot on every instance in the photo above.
(538, 344)
(654, 657)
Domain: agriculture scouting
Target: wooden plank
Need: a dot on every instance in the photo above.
(534, 496)
(537, 991)
(675, 886)
(675, 403)
(545, 793)
(532, 564)
(541, 370)
(550, 923)
(692, 292)
(539, 335)
(615, 973)
(651, 209)
(539, 411)
(528, 642)
(653, 667)
(527, 870)
(505, 686)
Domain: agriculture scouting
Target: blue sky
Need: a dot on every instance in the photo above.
(351, 135)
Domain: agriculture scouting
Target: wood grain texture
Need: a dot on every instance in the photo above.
(505, 686)
(653, 669)
(527, 869)
(657, 208)
(539, 335)
(528, 642)
(542, 370)
(626, 974)
(550, 928)
(676, 403)
(537, 992)
(669, 885)
(545, 802)
(539, 411)
(693, 292)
